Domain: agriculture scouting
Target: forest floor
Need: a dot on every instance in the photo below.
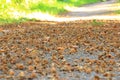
(70, 50)
(76, 50)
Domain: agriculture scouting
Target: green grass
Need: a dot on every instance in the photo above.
(117, 12)
(117, 4)
(16, 10)
(53, 9)
(79, 2)
(97, 23)
(59, 6)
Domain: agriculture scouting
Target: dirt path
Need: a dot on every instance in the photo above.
(99, 10)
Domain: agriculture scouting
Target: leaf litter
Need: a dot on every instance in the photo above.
(75, 50)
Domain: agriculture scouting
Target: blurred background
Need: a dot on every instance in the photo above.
(16, 10)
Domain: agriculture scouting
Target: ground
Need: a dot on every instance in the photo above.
(68, 50)
(77, 50)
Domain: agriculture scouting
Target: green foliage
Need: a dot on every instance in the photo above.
(12, 20)
(78, 2)
(117, 12)
(97, 23)
(53, 9)
(118, 0)
(14, 10)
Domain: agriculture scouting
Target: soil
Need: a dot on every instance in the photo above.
(77, 50)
